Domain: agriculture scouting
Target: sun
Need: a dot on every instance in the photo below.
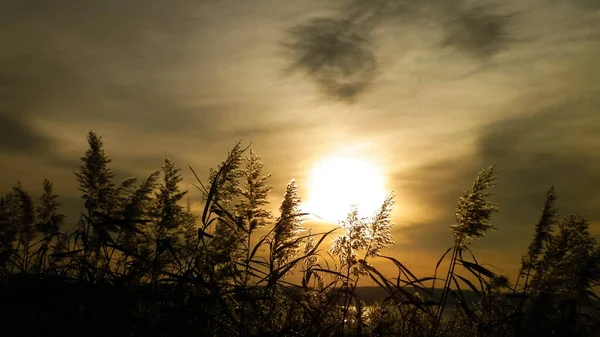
(338, 182)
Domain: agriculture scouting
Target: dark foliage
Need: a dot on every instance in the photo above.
(140, 263)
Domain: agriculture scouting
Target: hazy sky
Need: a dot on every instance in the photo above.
(457, 85)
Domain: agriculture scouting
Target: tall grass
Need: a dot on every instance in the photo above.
(144, 265)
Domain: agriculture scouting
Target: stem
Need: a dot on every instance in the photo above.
(12, 269)
(445, 290)
(522, 301)
(346, 302)
(156, 264)
(26, 256)
(86, 244)
(113, 249)
(42, 260)
(245, 282)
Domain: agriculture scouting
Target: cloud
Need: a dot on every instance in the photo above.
(587, 4)
(337, 54)
(17, 136)
(479, 30)
(557, 145)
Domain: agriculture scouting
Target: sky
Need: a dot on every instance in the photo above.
(431, 92)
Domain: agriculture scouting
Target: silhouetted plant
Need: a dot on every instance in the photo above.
(561, 285)
(8, 230)
(23, 211)
(133, 245)
(142, 262)
(543, 231)
(473, 213)
(48, 221)
(95, 182)
(362, 234)
(224, 186)
(285, 245)
(168, 216)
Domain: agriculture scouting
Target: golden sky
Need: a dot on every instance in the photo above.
(459, 85)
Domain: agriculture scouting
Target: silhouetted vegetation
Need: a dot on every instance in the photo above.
(139, 262)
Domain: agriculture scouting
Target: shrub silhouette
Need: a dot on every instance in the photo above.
(139, 262)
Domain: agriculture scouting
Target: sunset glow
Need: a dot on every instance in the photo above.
(336, 183)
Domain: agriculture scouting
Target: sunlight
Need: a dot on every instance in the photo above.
(336, 183)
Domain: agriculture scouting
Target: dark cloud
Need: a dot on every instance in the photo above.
(115, 64)
(478, 30)
(16, 136)
(62, 56)
(559, 145)
(337, 54)
(27, 77)
(587, 4)
(32, 85)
